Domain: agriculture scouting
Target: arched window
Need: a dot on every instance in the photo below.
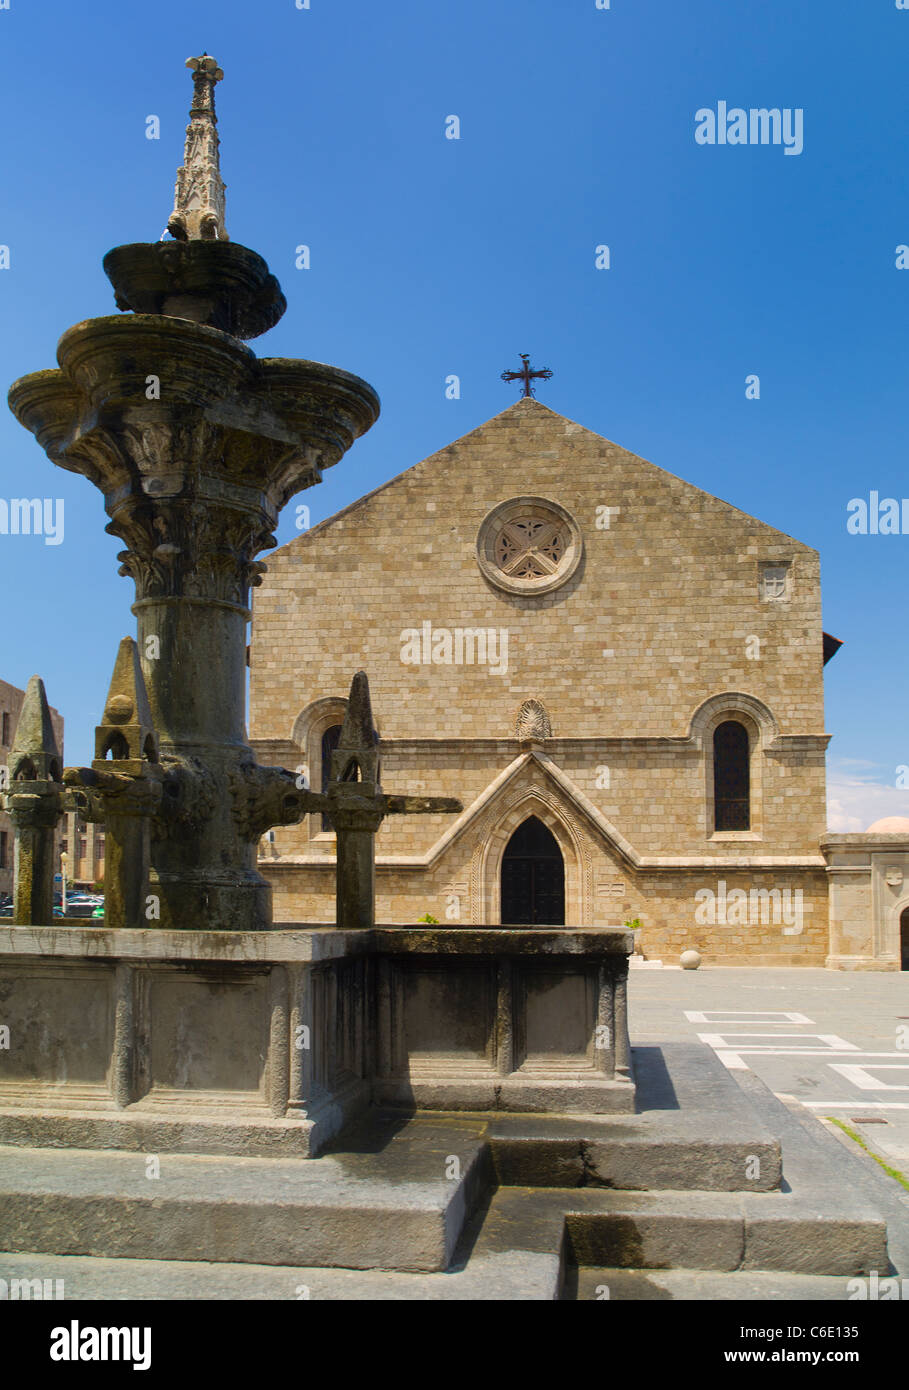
(533, 877)
(330, 739)
(731, 777)
(904, 939)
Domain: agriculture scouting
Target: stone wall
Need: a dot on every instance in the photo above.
(869, 892)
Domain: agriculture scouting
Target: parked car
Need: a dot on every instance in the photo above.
(79, 906)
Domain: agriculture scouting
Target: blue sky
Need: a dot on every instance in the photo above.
(433, 256)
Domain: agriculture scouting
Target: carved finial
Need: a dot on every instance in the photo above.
(356, 758)
(532, 722)
(35, 755)
(126, 730)
(198, 213)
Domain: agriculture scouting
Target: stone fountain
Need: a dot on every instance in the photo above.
(188, 1021)
(196, 445)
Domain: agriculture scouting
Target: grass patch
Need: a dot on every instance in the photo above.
(857, 1138)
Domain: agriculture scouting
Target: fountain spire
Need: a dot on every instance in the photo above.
(198, 213)
(201, 275)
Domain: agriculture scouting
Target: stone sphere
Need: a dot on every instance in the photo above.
(119, 709)
(689, 960)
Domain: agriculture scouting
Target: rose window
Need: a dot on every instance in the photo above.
(528, 549)
(528, 545)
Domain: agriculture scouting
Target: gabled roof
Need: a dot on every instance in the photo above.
(532, 412)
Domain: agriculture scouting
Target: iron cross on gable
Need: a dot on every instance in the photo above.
(526, 374)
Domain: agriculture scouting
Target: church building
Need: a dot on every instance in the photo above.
(619, 676)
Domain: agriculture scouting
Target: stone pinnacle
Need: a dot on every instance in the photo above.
(35, 755)
(357, 730)
(126, 730)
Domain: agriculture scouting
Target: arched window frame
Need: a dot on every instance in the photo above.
(734, 714)
(309, 728)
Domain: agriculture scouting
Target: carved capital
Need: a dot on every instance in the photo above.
(190, 549)
(195, 473)
(35, 805)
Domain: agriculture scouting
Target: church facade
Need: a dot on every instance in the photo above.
(618, 675)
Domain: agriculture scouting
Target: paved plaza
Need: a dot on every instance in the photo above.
(829, 1044)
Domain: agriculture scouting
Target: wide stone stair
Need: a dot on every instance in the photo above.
(694, 1197)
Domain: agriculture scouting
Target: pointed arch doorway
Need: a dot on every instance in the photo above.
(533, 877)
(904, 939)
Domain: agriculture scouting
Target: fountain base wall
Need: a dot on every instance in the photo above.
(271, 1042)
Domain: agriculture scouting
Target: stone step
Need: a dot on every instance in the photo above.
(517, 1246)
(402, 1207)
(696, 1131)
(690, 1230)
(399, 1191)
(703, 1285)
(706, 1153)
(517, 1276)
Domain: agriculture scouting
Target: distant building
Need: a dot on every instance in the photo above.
(84, 844)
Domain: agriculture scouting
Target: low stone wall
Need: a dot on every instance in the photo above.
(531, 1019)
(869, 893)
(269, 1042)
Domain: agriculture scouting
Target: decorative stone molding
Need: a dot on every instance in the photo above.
(732, 704)
(316, 718)
(529, 546)
(532, 722)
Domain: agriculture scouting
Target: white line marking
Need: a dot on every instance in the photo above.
(733, 1061)
(861, 1076)
(804, 1052)
(854, 1104)
(830, 1040)
(767, 1016)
